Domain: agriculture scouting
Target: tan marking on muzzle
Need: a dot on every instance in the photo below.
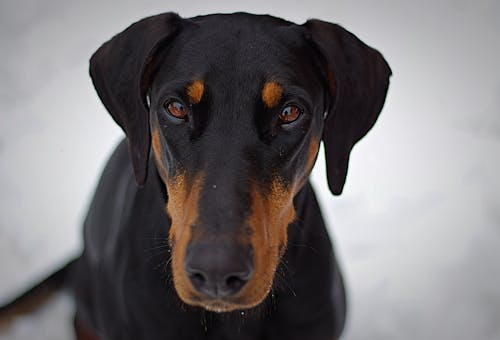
(182, 207)
(271, 214)
(269, 220)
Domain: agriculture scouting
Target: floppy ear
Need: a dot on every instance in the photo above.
(120, 69)
(358, 77)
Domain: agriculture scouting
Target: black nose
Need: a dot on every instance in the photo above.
(218, 270)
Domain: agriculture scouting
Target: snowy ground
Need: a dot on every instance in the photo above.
(418, 226)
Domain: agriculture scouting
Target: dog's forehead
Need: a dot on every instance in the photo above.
(242, 30)
(235, 47)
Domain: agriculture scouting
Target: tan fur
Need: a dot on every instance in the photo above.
(271, 94)
(311, 159)
(195, 91)
(157, 151)
(269, 220)
(182, 207)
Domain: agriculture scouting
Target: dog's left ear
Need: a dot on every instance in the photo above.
(358, 78)
(120, 70)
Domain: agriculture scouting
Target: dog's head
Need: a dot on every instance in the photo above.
(234, 107)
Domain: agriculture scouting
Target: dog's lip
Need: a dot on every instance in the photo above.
(220, 304)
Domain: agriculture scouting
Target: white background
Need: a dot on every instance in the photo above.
(417, 229)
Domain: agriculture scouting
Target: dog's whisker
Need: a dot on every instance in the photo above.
(157, 247)
(166, 239)
(297, 245)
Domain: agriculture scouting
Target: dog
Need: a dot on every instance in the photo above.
(204, 224)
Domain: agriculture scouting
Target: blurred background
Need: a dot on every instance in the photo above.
(417, 229)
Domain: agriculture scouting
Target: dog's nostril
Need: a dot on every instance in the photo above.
(197, 279)
(234, 283)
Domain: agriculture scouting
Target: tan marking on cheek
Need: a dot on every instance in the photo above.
(282, 209)
(195, 91)
(157, 152)
(271, 94)
(177, 192)
(182, 206)
(312, 154)
(311, 159)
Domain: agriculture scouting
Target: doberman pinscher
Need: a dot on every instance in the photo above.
(204, 224)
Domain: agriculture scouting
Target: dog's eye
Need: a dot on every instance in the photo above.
(176, 109)
(289, 114)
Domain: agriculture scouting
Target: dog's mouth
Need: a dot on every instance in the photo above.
(221, 305)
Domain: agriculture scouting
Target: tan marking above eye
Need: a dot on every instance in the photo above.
(195, 91)
(271, 94)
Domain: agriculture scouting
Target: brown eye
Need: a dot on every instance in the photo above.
(176, 109)
(289, 114)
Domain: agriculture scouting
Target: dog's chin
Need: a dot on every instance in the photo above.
(251, 296)
(222, 305)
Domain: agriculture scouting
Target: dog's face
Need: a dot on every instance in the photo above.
(234, 109)
(235, 132)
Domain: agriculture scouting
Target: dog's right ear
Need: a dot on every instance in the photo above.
(120, 70)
